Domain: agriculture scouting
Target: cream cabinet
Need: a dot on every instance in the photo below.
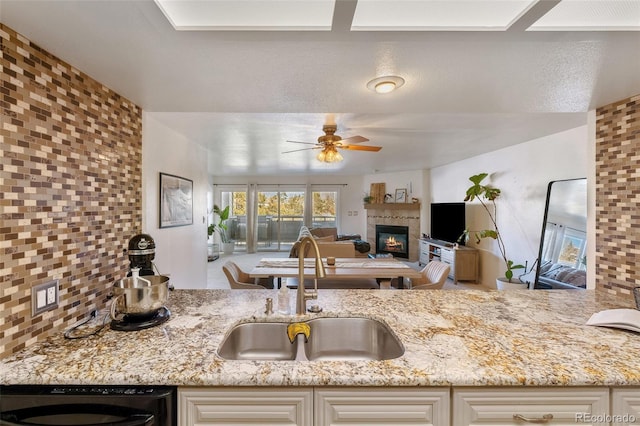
(517, 406)
(337, 406)
(625, 406)
(381, 406)
(391, 406)
(462, 260)
(245, 406)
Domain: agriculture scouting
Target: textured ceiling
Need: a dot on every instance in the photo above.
(244, 93)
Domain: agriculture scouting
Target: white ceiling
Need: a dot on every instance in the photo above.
(242, 94)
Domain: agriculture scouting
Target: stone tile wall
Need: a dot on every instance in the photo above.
(70, 188)
(395, 217)
(618, 196)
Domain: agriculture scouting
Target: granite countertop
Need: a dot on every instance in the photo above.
(463, 338)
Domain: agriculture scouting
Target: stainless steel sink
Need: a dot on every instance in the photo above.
(258, 341)
(351, 339)
(329, 339)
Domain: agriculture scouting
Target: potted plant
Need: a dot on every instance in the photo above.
(486, 195)
(223, 214)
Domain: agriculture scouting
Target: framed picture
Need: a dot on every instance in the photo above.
(176, 201)
(401, 195)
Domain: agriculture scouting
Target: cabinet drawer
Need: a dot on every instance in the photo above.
(389, 406)
(499, 406)
(447, 256)
(224, 406)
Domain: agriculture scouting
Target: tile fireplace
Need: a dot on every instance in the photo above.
(392, 240)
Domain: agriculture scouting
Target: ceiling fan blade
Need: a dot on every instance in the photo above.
(353, 139)
(303, 149)
(306, 143)
(361, 148)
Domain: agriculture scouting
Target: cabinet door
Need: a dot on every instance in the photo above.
(517, 406)
(250, 406)
(448, 257)
(625, 406)
(424, 253)
(387, 406)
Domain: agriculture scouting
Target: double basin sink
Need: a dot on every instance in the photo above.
(328, 339)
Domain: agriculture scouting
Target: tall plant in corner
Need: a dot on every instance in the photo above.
(221, 226)
(487, 195)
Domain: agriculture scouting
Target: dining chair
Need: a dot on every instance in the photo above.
(238, 279)
(434, 275)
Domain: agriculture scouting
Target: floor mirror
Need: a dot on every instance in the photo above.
(562, 257)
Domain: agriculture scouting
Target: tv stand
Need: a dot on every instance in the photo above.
(462, 260)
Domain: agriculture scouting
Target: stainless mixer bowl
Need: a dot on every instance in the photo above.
(139, 298)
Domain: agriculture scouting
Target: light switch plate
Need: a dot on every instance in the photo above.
(44, 297)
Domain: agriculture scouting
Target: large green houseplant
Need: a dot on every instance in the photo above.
(487, 196)
(222, 228)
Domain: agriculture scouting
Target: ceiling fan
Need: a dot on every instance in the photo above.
(330, 143)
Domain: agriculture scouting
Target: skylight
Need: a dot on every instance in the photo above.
(591, 15)
(438, 15)
(248, 15)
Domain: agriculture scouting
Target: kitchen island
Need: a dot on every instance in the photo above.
(460, 338)
(455, 342)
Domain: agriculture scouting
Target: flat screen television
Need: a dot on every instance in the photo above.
(447, 221)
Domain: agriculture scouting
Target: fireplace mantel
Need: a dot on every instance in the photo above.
(392, 206)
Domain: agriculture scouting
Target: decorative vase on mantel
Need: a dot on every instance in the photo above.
(503, 283)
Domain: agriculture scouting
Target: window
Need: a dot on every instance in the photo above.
(323, 207)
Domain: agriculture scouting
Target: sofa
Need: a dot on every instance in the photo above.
(362, 247)
(327, 245)
(330, 247)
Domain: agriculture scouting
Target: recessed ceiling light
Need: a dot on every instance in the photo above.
(385, 84)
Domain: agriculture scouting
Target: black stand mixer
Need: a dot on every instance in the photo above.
(135, 295)
(141, 251)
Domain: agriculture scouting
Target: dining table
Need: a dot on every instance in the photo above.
(343, 269)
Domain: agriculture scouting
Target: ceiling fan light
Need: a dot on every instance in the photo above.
(385, 84)
(339, 156)
(321, 156)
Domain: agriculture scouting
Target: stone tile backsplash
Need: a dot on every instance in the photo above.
(70, 188)
(618, 196)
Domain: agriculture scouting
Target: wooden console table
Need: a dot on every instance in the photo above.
(463, 260)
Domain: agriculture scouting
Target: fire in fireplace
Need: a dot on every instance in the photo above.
(392, 240)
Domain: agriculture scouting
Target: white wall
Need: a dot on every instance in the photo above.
(522, 172)
(181, 252)
(351, 195)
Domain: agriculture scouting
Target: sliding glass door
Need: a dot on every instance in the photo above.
(280, 216)
(323, 206)
(269, 217)
(237, 222)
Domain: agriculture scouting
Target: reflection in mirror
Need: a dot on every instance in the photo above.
(562, 261)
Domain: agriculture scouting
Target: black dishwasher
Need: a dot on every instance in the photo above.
(88, 405)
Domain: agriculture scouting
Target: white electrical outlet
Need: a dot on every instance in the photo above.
(51, 295)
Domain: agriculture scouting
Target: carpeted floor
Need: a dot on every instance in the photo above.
(246, 262)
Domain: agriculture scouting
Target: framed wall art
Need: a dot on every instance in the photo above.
(401, 195)
(176, 201)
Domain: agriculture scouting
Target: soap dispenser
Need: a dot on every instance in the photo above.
(284, 300)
